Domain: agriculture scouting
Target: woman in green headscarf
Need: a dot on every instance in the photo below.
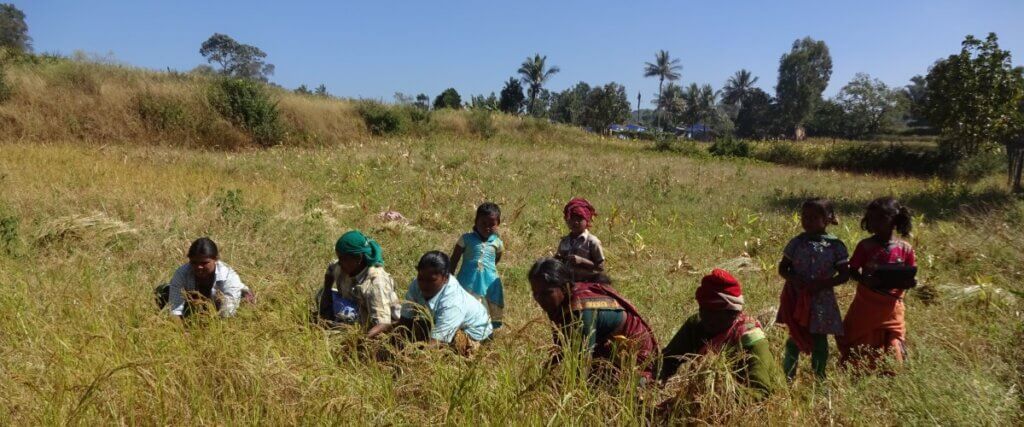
(358, 278)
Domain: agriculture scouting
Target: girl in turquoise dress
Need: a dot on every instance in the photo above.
(482, 248)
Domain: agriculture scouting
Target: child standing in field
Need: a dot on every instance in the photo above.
(812, 264)
(482, 248)
(580, 250)
(885, 266)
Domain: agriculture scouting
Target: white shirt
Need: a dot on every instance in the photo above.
(227, 288)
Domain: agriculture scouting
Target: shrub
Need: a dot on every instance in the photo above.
(786, 153)
(381, 119)
(160, 112)
(886, 158)
(665, 144)
(247, 104)
(481, 123)
(979, 166)
(730, 147)
(418, 119)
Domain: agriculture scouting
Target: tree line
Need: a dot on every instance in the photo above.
(973, 100)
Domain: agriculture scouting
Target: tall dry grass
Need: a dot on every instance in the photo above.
(96, 227)
(99, 201)
(60, 99)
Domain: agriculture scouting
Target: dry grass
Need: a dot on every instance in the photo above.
(89, 229)
(75, 100)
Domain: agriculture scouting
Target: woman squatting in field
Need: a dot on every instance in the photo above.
(203, 281)
(366, 290)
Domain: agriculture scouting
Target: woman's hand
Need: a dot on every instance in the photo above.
(248, 296)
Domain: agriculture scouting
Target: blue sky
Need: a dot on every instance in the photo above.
(373, 49)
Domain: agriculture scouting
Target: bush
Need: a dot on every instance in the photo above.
(381, 119)
(887, 158)
(247, 104)
(786, 153)
(730, 147)
(977, 167)
(161, 112)
(481, 123)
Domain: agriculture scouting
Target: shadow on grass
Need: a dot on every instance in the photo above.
(936, 202)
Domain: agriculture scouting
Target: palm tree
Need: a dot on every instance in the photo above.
(699, 102)
(535, 73)
(664, 68)
(738, 87)
(671, 102)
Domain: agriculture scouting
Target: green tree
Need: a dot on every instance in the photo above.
(448, 99)
(754, 118)
(828, 120)
(303, 90)
(804, 73)
(664, 68)
(870, 107)
(534, 73)
(512, 98)
(422, 101)
(321, 91)
(480, 102)
(917, 97)
(973, 96)
(700, 106)
(738, 87)
(606, 105)
(698, 103)
(13, 29)
(671, 103)
(236, 59)
(568, 106)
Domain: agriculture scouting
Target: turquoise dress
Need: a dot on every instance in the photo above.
(479, 272)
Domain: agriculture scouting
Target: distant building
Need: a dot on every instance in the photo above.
(695, 131)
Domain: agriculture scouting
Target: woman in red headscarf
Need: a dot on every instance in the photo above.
(608, 324)
(721, 325)
(581, 250)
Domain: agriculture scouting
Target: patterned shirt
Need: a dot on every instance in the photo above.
(227, 289)
(372, 289)
(816, 257)
(586, 246)
(870, 253)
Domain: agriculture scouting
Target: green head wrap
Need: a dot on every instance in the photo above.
(356, 243)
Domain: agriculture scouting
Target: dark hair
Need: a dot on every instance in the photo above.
(488, 209)
(824, 206)
(435, 261)
(203, 247)
(550, 271)
(555, 273)
(893, 209)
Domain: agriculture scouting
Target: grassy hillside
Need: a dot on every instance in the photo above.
(57, 99)
(87, 230)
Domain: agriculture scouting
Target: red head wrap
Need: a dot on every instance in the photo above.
(720, 291)
(581, 207)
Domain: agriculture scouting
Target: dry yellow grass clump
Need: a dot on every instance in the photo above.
(87, 231)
